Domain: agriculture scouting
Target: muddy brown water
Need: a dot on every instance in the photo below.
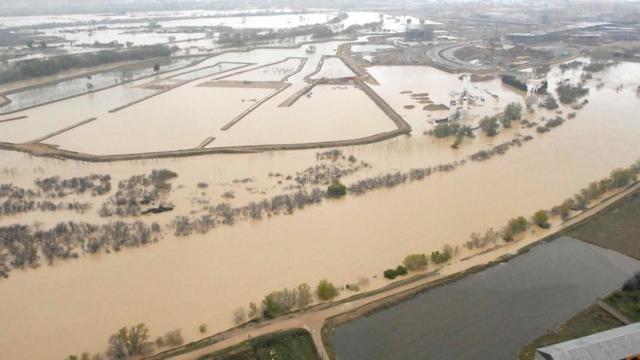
(74, 306)
(492, 314)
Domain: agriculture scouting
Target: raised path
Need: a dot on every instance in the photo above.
(314, 318)
(71, 127)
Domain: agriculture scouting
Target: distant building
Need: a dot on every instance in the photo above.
(616, 344)
(530, 38)
(419, 33)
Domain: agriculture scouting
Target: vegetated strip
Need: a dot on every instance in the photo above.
(56, 133)
(393, 299)
(381, 304)
(13, 119)
(40, 149)
(254, 106)
(614, 312)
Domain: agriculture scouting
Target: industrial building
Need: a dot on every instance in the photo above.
(616, 344)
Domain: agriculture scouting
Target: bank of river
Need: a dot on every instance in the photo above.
(491, 314)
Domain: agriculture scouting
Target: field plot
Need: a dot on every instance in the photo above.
(162, 123)
(325, 115)
(274, 72)
(333, 68)
(208, 71)
(47, 119)
(34, 96)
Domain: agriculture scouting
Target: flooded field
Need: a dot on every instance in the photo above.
(340, 240)
(492, 314)
(63, 89)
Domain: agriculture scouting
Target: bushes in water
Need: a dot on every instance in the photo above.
(415, 262)
(326, 290)
(550, 103)
(513, 111)
(568, 93)
(394, 273)
(336, 190)
(280, 302)
(514, 227)
(541, 218)
(441, 257)
(489, 124)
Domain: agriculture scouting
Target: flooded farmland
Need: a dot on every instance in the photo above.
(492, 314)
(286, 96)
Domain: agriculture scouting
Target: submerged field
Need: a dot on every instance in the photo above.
(213, 270)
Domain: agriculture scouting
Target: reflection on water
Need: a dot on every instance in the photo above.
(492, 314)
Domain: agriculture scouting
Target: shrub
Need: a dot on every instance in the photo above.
(202, 328)
(514, 227)
(415, 262)
(513, 112)
(326, 290)
(239, 316)
(336, 190)
(401, 270)
(390, 274)
(541, 218)
(438, 257)
(622, 177)
(174, 338)
(489, 125)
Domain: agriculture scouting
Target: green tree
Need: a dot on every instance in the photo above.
(336, 189)
(326, 290)
(541, 218)
(156, 67)
(489, 125)
(415, 262)
(514, 227)
(513, 111)
(622, 178)
(438, 257)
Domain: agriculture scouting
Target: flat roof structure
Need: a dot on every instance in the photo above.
(615, 344)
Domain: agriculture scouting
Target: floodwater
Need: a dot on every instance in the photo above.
(333, 68)
(92, 297)
(492, 314)
(81, 85)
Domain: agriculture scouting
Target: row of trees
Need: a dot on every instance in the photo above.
(23, 246)
(500, 149)
(619, 178)
(50, 66)
(419, 262)
(491, 124)
(54, 186)
(139, 193)
(283, 301)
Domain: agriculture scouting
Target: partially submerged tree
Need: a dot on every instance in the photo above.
(541, 218)
(326, 290)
